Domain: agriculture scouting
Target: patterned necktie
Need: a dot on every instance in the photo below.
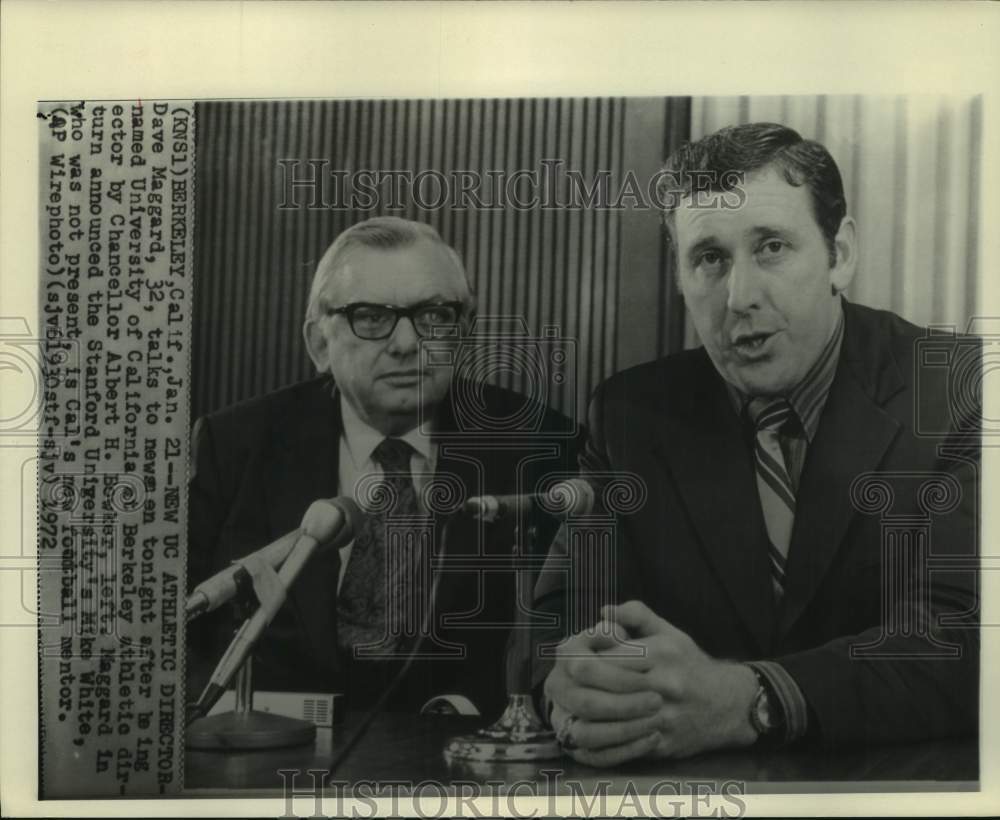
(777, 499)
(361, 602)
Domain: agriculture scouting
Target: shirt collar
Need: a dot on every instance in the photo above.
(362, 438)
(809, 396)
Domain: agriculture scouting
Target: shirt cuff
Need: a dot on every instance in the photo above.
(791, 701)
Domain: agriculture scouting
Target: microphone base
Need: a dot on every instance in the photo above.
(248, 730)
(518, 735)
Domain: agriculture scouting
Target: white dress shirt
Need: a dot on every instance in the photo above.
(357, 443)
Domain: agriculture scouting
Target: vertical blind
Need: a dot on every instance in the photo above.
(910, 167)
(254, 261)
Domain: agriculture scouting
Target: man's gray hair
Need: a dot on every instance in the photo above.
(381, 232)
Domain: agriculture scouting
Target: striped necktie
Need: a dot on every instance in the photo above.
(777, 499)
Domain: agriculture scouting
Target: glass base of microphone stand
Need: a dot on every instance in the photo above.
(244, 728)
(248, 730)
(517, 735)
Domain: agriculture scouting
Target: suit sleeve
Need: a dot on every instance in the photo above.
(916, 675)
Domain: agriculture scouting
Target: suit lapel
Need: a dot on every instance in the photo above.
(701, 439)
(853, 436)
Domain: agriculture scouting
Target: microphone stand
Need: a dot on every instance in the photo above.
(397, 679)
(519, 733)
(243, 727)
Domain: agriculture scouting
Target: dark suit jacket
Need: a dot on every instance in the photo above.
(260, 464)
(696, 551)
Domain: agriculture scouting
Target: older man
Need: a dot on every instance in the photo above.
(764, 599)
(387, 426)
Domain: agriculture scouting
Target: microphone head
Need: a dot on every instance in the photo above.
(354, 519)
(490, 508)
(483, 507)
(569, 497)
(332, 521)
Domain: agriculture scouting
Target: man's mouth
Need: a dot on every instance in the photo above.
(748, 344)
(402, 375)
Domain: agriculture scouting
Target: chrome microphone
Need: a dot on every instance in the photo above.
(223, 586)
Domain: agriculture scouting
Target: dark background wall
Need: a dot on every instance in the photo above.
(595, 273)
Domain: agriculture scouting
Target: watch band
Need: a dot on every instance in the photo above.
(755, 709)
(770, 732)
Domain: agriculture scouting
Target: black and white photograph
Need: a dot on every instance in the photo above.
(590, 449)
(550, 234)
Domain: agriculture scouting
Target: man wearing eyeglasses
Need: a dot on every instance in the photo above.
(381, 423)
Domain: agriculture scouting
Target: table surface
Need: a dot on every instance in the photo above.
(410, 748)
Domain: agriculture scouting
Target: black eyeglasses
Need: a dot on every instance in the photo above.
(373, 322)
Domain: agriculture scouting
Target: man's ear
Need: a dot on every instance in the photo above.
(846, 245)
(316, 344)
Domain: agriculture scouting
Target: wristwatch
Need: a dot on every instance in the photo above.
(766, 715)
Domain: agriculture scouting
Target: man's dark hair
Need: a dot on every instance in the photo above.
(723, 159)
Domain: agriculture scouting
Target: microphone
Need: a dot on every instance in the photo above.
(223, 586)
(569, 497)
(323, 522)
(493, 507)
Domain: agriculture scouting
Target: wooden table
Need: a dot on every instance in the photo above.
(409, 748)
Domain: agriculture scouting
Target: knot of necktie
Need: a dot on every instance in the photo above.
(393, 455)
(770, 414)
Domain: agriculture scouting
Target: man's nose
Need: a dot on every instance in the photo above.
(404, 340)
(744, 283)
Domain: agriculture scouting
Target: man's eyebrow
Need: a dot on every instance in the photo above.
(710, 241)
(760, 231)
